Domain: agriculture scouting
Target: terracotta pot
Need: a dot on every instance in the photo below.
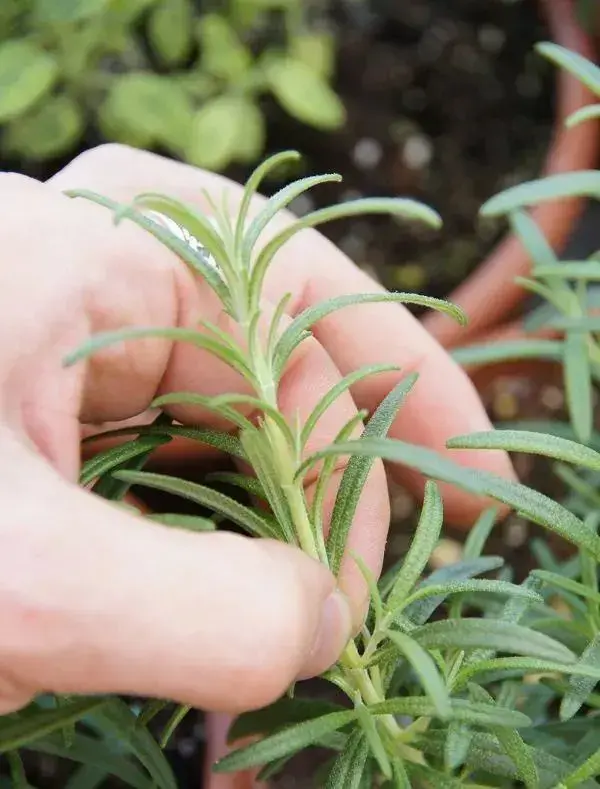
(490, 296)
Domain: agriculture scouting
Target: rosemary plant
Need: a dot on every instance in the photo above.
(460, 677)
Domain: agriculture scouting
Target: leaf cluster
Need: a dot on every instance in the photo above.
(160, 74)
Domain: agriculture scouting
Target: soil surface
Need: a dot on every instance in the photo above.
(446, 103)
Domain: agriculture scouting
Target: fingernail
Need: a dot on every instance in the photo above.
(332, 636)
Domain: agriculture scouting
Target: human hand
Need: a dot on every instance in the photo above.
(96, 600)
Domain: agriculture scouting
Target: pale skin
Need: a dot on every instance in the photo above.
(93, 599)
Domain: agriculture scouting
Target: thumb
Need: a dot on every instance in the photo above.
(95, 600)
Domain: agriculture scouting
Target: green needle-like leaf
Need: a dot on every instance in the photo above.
(357, 471)
(426, 537)
(578, 384)
(181, 248)
(531, 504)
(298, 328)
(348, 768)
(33, 723)
(581, 687)
(494, 634)
(245, 517)
(105, 339)
(535, 443)
(112, 458)
(290, 740)
(426, 670)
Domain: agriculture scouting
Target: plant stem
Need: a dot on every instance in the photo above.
(287, 461)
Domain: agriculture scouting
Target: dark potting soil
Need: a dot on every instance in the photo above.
(447, 103)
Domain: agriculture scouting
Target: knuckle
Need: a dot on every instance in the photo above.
(106, 155)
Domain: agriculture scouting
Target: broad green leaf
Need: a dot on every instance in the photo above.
(525, 441)
(337, 390)
(152, 105)
(461, 710)
(316, 49)
(194, 260)
(472, 633)
(581, 687)
(95, 755)
(511, 743)
(26, 75)
(531, 504)
(348, 767)
(105, 339)
(424, 541)
(369, 726)
(282, 713)
(223, 55)
(188, 522)
(582, 183)
(303, 93)
(578, 384)
(213, 438)
(290, 740)
(252, 131)
(111, 458)
(511, 350)
(357, 471)
(298, 328)
(478, 535)
(426, 670)
(396, 207)
(170, 30)
(50, 129)
(33, 723)
(245, 517)
(52, 12)
(215, 133)
(116, 719)
(578, 65)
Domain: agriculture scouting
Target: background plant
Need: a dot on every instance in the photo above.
(461, 677)
(173, 75)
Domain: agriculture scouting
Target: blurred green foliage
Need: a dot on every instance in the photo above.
(181, 76)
